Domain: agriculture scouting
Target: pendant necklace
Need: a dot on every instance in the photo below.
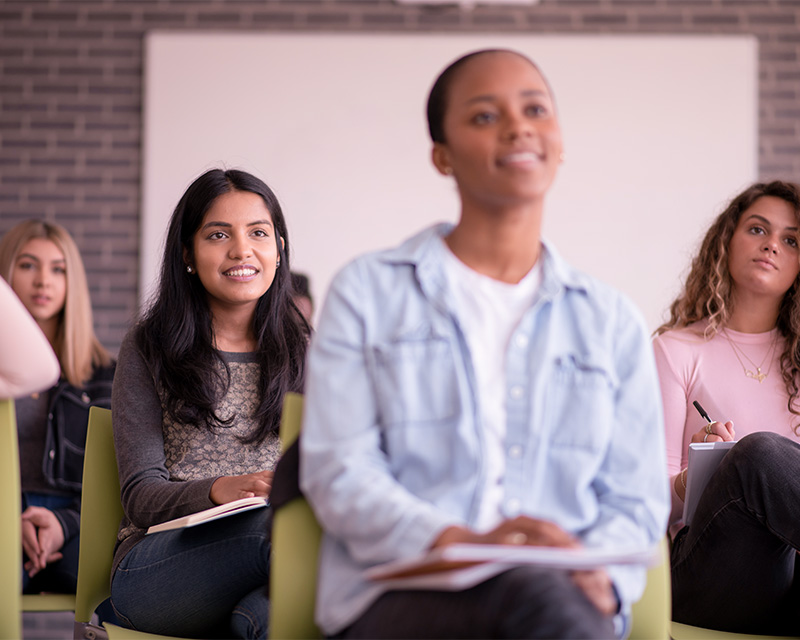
(757, 374)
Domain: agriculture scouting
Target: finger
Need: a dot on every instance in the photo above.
(30, 543)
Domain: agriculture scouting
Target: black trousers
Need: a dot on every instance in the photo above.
(526, 602)
(735, 567)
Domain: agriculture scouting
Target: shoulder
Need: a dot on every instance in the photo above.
(688, 338)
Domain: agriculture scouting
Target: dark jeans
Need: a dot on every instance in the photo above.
(734, 568)
(201, 582)
(526, 602)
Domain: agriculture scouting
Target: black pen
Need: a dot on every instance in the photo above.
(702, 412)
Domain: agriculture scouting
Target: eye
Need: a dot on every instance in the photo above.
(756, 230)
(217, 235)
(484, 117)
(536, 110)
(260, 233)
(25, 265)
(792, 242)
(60, 270)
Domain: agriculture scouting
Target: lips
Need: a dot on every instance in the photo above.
(766, 262)
(243, 271)
(520, 159)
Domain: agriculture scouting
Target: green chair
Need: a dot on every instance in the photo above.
(10, 536)
(296, 537)
(101, 512)
(651, 614)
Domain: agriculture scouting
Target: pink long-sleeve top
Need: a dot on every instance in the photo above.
(692, 368)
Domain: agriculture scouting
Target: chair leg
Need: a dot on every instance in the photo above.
(88, 631)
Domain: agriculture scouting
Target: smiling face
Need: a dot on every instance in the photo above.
(39, 278)
(235, 251)
(503, 140)
(763, 254)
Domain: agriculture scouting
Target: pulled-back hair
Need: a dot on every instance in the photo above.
(76, 345)
(175, 334)
(437, 98)
(708, 291)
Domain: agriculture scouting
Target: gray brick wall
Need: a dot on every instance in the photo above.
(71, 95)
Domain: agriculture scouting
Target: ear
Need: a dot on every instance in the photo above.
(283, 244)
(186, 256)
(441, 159)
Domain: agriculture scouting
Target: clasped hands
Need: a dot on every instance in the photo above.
(42, 539)
(229, 488)
(595, 584)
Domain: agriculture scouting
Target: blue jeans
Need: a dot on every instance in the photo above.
(205, 581)
(735, 567)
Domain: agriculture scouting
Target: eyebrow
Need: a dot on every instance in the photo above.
(228, 225)
(30, 256)
(767, 222)
(526, 93)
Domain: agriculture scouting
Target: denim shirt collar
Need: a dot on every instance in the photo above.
(424, 252)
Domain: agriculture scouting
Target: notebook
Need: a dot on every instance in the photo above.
(704, 458)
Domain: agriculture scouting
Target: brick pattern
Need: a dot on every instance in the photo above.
(71, 94)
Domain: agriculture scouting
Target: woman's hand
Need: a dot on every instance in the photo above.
(595, 584)
(42, 538)
(230, 488)
(715, 432)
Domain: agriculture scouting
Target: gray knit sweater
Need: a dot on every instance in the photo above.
(166, 469)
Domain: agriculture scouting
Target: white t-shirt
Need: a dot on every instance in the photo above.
(488, 312)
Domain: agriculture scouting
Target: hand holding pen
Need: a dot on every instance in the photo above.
(713, 431)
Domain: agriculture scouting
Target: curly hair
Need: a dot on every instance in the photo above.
(708, 291)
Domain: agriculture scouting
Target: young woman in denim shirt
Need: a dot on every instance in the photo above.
(43, 265)
(470, 386)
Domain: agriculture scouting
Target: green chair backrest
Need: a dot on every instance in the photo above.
(10, 536)
(652, 614)
(101, 512)
(296, 537)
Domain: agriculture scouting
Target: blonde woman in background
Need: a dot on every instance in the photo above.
(44, 268)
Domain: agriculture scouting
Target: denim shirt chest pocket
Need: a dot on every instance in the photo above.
(579, 411)
(416, 381)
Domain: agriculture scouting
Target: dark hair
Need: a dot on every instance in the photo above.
(301, 285)
(437, 98)
(708, 291)
(175, 334)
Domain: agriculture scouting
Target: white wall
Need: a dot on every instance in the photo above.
(659, 133)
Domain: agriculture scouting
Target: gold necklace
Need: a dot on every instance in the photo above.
(757, 375)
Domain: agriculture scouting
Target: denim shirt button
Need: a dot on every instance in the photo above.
(517, 392)
(513, 506)
(515, 451)
(521, 341)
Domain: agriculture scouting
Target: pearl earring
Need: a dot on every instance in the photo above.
(189, 269)
(448, 171)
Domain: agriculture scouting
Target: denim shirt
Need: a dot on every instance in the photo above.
(392, 447)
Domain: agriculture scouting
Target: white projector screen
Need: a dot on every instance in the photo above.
(659, 133)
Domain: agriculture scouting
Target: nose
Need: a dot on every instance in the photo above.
(771, 245)
(240, 247)
(517, 126)
(41, 277)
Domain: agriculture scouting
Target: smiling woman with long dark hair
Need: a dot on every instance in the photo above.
(196, 409)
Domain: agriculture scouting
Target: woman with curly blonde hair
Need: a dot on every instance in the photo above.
(732, 344)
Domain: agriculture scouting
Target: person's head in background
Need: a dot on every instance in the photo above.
(41, 262)
(493, 123)
(302, 295)
(762, 219)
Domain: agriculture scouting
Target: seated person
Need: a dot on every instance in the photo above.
(470, 386)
